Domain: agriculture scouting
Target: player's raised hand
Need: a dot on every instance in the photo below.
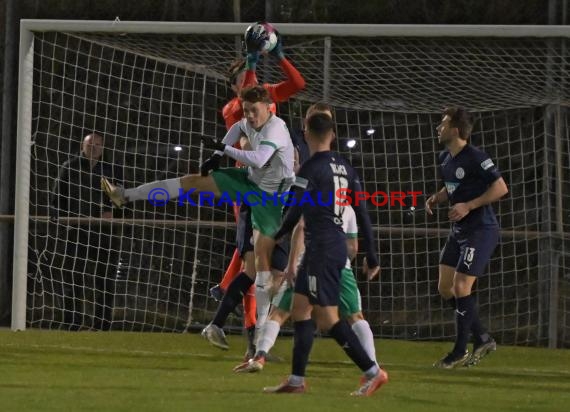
(253, 41)
(431, 202)
(458, 211)
(278, 49)
(213, 144)
(213, 163)
(371, 273)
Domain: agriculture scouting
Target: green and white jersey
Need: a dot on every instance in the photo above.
(277, 174)
(350, 227)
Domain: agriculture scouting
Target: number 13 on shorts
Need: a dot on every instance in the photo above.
(469, 254)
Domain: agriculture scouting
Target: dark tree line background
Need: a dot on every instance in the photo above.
(519, 12)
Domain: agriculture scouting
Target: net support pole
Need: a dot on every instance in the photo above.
(195, 260)
(559, 221)
(23, 154)
(326, 68)
(7, 155)
(237, 19)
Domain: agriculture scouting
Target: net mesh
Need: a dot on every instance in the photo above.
(153, 96)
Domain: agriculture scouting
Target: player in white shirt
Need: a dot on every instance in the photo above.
(268, 175)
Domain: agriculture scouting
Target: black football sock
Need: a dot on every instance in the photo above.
(348, 341)
(463, 320)
(250, 332)
(232, 298)
(302, 344)
(451, 303)
(479, 332)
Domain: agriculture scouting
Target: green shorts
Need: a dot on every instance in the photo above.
(350, 302)
(265, 213)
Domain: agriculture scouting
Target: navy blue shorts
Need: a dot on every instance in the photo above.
(280, 256)
(318, 278)
(470, 252)
(244, 236)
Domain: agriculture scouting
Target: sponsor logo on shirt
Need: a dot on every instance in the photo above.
(450, 187)
(487, 164)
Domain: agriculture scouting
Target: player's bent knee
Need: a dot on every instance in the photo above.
(446, 291)
(249, 264)
(326, 317)
(355, 317)
(463, 284)
(199, 184)
(263, 280)
(301, 308)
(279, 316)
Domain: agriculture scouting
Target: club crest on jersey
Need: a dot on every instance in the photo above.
(451, 186)
(459, 173)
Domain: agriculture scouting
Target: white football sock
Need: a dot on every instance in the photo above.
(142, 192)
(268, 335)
(262, 297)
(366, 338)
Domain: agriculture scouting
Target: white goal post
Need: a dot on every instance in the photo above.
(384, 78)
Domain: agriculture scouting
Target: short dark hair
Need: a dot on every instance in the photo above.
(235, 69)
(461, 119)
(255, 94)
(319, 124)
(319, 107)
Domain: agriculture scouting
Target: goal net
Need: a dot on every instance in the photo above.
(153, 95)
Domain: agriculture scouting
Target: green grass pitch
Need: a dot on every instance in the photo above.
(96, 371)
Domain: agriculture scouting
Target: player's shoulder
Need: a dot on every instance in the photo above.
(477, 154)
(442, 156)
(340, 159)
(276, 128)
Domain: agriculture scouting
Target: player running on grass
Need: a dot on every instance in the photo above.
(317, 286)
(471, 182)
(350, 307)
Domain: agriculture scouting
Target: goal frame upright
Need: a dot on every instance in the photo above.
(328, 31)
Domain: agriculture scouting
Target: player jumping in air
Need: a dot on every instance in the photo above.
(471, 182)
(269, 173)
(242, 74)
(317, 286)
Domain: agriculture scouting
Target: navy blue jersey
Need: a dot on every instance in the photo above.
(299, 142)
(315, 199)
(467, 176)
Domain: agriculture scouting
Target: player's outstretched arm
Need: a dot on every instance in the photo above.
(295, 82)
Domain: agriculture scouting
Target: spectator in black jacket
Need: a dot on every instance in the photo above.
(90, 264)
